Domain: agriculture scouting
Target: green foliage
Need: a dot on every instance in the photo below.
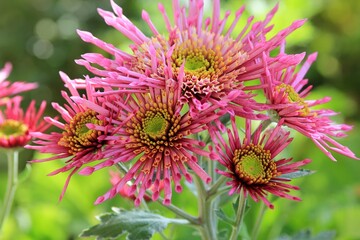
(139, 225)
(222, 216)
(306, 235)
(298, 174)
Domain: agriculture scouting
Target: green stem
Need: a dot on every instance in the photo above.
(239, 217)
(206, 212)
(178, 211)
(260, 216)
(13, 159)
(265, 124)
(219, 192)
(214, 188)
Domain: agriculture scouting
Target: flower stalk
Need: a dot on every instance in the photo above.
(259, 218)
(206, 216)
(239, 217)
(13, 160)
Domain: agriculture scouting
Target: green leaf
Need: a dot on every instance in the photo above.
(244, 233)
(223, 234)
(138, 225)
(306, 235)
(220, 213)
(236, 204)
(297, 174)
(25, 174)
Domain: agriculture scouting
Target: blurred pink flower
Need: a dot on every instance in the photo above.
(128, 191)
(76, 143)
(153, 131)
(16, 124)
(7, 88)
(250, 163)
(286, 93)
(210, 60)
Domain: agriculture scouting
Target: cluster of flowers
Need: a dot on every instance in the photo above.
(15, 124)
(179, 97)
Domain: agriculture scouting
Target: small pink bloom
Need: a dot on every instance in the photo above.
(286, 93)
(250, 163)
(127, 191)
(76, 142)
(7, 88)
(16, 124)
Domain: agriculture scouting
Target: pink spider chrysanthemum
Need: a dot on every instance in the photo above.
(152, 132)
(76, 142)
(286, 93)
(214, 60)
(16, 124)
(250, 163)
(7, 88)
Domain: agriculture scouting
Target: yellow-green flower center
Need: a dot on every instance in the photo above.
(200, 61)
(203, 65)
(155, 125)
(254, 165)
(293, 97)
(196, 62)
(77, 136)
(153, 128)
(12, 128)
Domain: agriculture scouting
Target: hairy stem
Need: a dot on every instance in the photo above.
(206, 212)
(239, 217)
(13, 159)
(214, 188)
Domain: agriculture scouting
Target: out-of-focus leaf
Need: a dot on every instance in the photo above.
(25, 174)
(223, 234)
(220, 213)
(297, 174)
(244, 233)
(137, 224)
(306, 235)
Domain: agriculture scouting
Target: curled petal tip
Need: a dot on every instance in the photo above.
(312, 57)
(161, 8)
(167, 201)
(145, 15)
(99, 200)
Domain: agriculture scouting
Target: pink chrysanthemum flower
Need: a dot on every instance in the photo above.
(250, 163)
(16, 124)
(152, 130)
(76, 142)
(7, 88)
(286, 93)
(201, 51)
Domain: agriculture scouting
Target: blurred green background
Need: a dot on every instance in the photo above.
(38, 37)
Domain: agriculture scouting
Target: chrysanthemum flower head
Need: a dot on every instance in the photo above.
(286, 93)
(153, 133)
(16, 124)
(76, 142)
(250, 163)
(210, 60)
(7, 88)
